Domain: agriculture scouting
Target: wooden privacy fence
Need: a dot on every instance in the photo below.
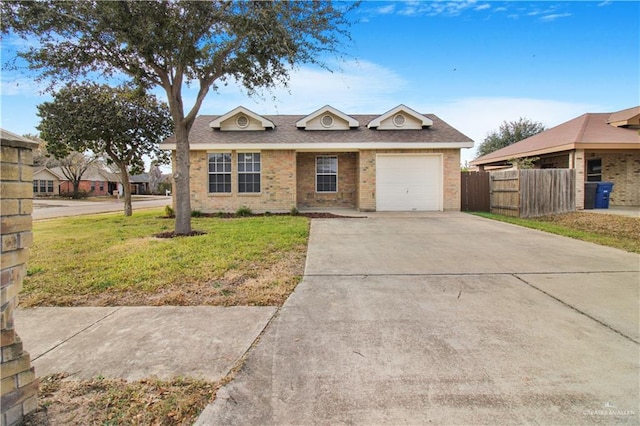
(475, 192)
(533, 192)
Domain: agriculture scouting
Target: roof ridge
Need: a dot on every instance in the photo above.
(583, 128)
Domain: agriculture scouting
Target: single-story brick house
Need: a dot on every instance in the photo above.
(46, 182)
(400, 160)
(599, 146)
(95, 181)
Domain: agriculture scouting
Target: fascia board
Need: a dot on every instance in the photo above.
(325, 146)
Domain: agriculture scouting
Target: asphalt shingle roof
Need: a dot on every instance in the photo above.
(286, 132)
(589, 129)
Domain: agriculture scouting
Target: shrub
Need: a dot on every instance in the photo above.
(294, 211)
(220, 214)
(267, 213)
(244, 211)
(168, 212)
(196, 213)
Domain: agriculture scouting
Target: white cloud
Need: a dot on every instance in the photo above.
(484, 6)
(477, 117)
(554, 16)
(359, 87)
(605, 3)
(385, 10)
(13, 84)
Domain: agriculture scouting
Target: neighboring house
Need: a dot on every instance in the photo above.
(95, 181)
(599, 146)
(400, 160)
(46, 182)
(139, 184)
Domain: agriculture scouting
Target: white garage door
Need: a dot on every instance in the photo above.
(408, 182)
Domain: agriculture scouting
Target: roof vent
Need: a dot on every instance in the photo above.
(242, 121)
(399, 120)
(327, 121)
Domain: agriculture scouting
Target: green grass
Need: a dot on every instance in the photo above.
(607, 230)
(75, 260)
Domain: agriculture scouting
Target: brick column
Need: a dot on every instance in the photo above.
(579, 164)
(19, 385)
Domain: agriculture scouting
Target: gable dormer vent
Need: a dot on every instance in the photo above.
(242, 121)
(399, 120)
(327, 121)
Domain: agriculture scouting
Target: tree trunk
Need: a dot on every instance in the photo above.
(76, 189)
(126, 187)
(181, 178)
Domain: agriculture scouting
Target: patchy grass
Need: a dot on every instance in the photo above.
(113, 402)
(605, 229)
(114, 260)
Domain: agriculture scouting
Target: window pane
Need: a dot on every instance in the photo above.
(35, 186)
(326, 183)
(219, 173)
(248, 172)
(326, 174)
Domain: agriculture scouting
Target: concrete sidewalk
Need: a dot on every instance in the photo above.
(140, 342)
(446, 319)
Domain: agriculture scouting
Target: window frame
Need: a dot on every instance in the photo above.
(50, 186)
(591, 175)
(227, 175)
(318, 173)
(43, 186)
(242, 170)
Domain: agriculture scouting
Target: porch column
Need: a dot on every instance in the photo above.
(19, 384)
(578, 165)
(366, 181)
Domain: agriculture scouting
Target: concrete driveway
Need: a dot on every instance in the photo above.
(446, 319)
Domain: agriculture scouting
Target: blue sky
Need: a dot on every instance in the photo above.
(472, 63)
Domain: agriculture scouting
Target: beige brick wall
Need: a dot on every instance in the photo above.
(347, 181)
(623, 169)
(19, 386)
(450, 178)
(278, 184)
(288, 180)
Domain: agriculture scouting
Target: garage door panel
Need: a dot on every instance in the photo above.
(408, 182)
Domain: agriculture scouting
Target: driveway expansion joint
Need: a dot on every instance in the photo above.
(76, 334)
(576, 309)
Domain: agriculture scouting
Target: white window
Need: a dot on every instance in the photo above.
(220, 173)
(326, 174)
(249, 172)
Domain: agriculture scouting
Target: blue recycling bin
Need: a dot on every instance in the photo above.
(602, 195)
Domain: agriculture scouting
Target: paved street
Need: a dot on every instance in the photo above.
(52, 208)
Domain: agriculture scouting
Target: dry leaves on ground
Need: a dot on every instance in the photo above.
(105, 401)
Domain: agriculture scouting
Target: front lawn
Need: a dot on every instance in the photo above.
(113, 260)
(605, 229)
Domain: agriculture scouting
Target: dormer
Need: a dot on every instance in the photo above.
(327, 118)
(241, 119)
(400, 118)
(629, 118)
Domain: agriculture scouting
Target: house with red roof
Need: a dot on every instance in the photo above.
(601, 147)
(400, 160)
